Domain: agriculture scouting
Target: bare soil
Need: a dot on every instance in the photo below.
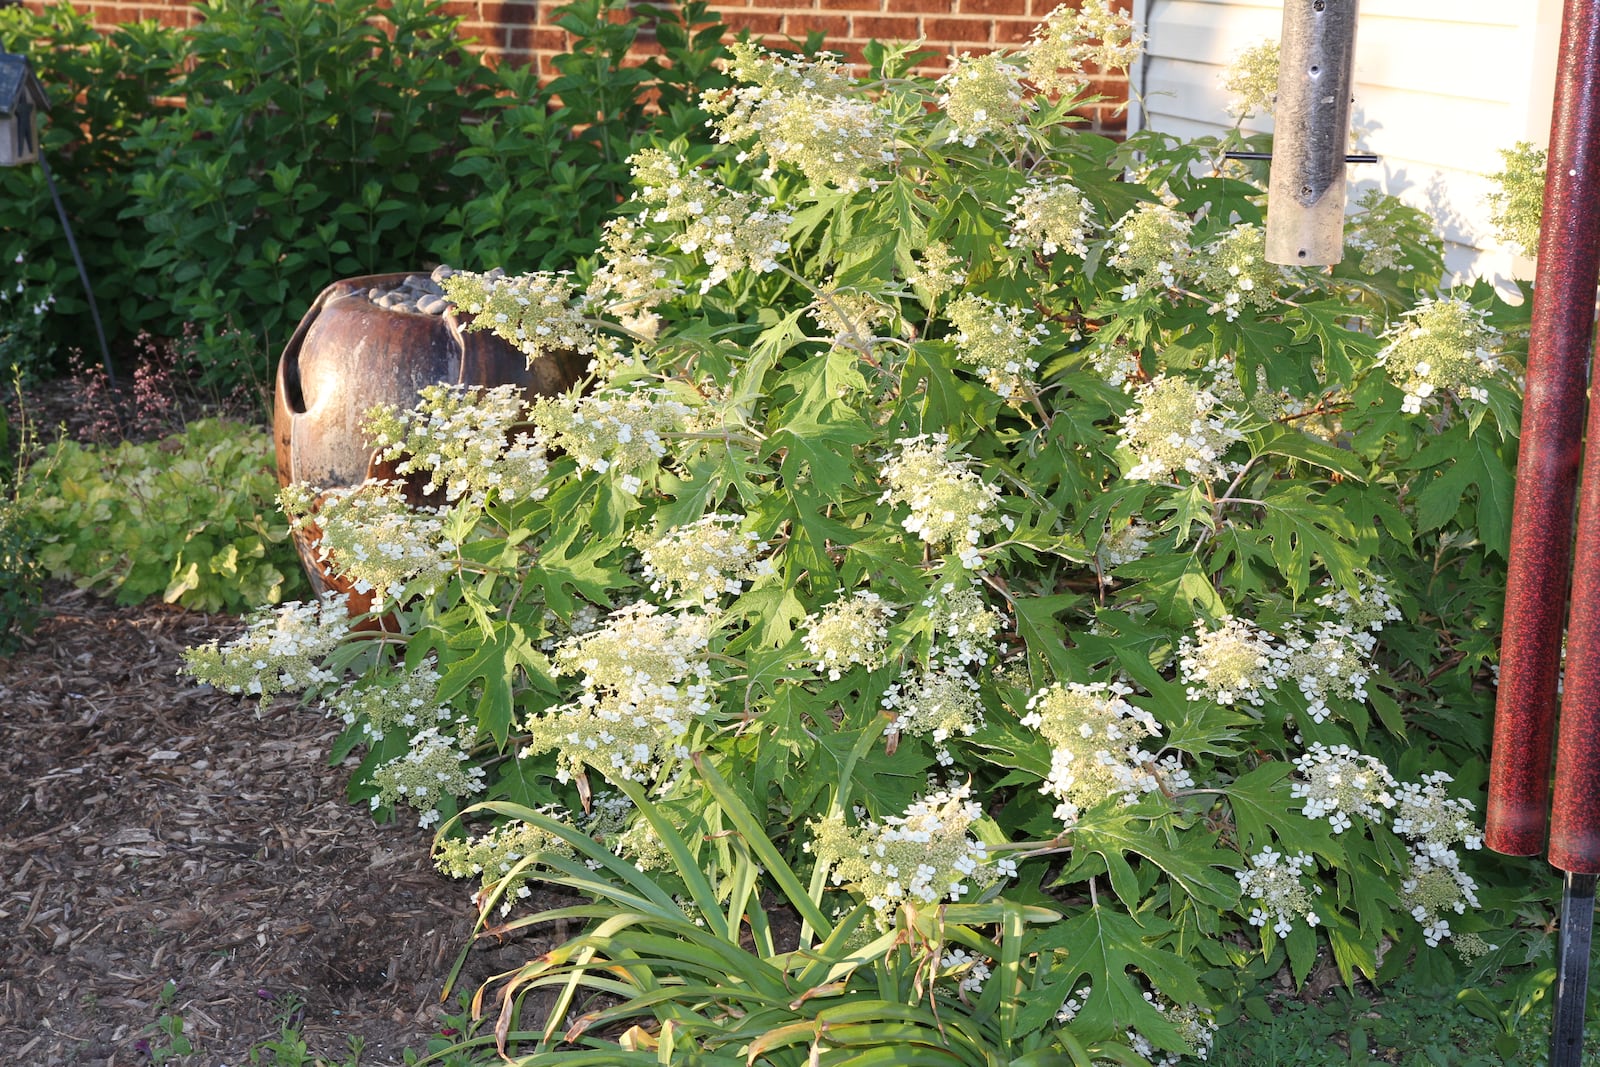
(156, 831)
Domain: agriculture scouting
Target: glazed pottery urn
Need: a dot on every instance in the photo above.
(380, 339)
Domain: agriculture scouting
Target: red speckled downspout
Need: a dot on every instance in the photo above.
(1547, 467)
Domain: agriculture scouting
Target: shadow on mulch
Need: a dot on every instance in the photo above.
(153, 830)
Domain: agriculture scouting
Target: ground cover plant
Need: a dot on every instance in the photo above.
(977, 611)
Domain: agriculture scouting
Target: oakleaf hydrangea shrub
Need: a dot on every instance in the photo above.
(982, 517)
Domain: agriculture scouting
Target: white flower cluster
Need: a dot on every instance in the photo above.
(1077, 41)
(1050, 214)
(1151, 245)
(919, 858)
(1369, 609)
(629, 277)
(1175, 426)
(849, 317)
(938, 702)
(280, 651)
(729, 230)
(1195, 1025)
(1339, 782)
(1374, 229)
(1441, 346)
(969, 971)
(1279, 886)
(1236, 271)
(996, 339)
(850, 632)
(1094, 736)
(612, 429)
(803, 112)
(707, 558)
(1332, 661)
(983, 97)
(1251, 80)
(947, 502)
(540, 313)
(403, 700)
(1125, 544)
(1236, 661)
(372, 535)
(437, 765)
(1433, 822)
(491, 857)
(963, 626)
(645, 684)
(466, 440)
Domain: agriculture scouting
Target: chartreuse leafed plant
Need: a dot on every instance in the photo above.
(976, 611)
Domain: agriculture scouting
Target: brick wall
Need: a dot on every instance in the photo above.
(521, 31)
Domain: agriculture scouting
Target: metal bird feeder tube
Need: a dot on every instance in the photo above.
(1548, 460)
(1311, 124)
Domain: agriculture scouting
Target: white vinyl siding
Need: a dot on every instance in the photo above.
(1441, 85)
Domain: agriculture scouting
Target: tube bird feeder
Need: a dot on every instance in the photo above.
(1543, 549)
(1311, 125)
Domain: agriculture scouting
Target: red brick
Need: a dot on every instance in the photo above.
(461, 9)
(759, 23)
(861, 7)
(961, 31)
(892, 28)
(798, 24)
(1009, 8)
(1013, 31)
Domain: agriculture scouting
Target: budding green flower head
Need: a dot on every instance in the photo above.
(997, 340)
(1176, 427)
(539, 313)
(1074, 42)
(1236, 661)
(492, 857)
(1441, 347)
(393, 700)
(1379, 227)
(280, 651)
(1434, 888)
(851, 632)
(938, 271)
(1050, 214)
(1281, 890)
(1235, 270)
(1094, 736)
(612, 428)
(947, 502)
(1150, 244)
(918, 858)
(433, 768)
(708, 558)
(1338, 782)
(1516, 207)
(1251, 80)
(728, 229)
(372, 536)
(983, 97)
(466, 440)
(803, 112)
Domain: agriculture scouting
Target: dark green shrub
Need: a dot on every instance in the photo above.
(100, 85)
(315, 144)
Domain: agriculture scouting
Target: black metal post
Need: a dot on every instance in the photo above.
(72, 243)
(1572, 970)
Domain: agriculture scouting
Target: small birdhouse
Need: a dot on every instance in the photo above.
(22, 101)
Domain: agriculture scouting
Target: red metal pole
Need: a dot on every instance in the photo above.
(1552, 423)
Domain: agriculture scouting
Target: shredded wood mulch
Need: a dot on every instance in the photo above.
(153, 830)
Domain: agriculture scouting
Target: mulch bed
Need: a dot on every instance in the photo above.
(154, 830)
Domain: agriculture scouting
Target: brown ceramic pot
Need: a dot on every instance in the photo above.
(347, 355)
